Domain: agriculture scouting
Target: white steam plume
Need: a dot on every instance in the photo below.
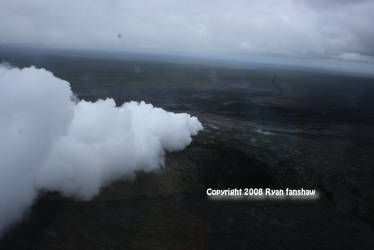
(47, 141)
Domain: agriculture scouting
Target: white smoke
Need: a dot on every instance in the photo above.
(48, 141)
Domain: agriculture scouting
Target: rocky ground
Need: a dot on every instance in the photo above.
(255, 135)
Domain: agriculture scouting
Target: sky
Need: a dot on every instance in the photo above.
(318, 32)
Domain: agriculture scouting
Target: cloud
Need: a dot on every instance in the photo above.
(355, 57)
(49, 141)
(210, 28)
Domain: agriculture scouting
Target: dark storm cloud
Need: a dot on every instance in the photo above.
(318, 29)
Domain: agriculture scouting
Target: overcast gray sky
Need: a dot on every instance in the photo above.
(327, 30)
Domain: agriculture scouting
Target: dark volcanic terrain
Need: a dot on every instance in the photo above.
(300, 129)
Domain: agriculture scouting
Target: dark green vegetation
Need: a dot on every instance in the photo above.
(304, 129)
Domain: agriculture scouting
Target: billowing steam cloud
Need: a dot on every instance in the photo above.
(49, 141)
